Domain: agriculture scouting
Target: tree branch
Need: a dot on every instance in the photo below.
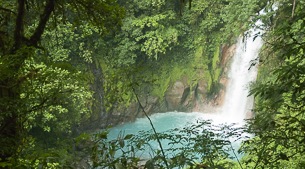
(293, 9)
(44, 18)
(236, 156)
(7, 10)
(154, 129)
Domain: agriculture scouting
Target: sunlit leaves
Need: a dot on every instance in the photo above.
(152, 5)
(72, 43)
(45, 94)
(152, 33)
(156, 42)
(159, 39)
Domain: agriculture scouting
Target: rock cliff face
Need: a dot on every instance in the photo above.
(179, 96)
(227, 54)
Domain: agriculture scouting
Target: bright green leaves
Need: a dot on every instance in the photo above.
(239, 15)
(150, 21)
(43, 92)
(51, 94)
(143, 5)
(157, 42)
(297, 32)
(152, 34)
(154, 20)
(157, 38)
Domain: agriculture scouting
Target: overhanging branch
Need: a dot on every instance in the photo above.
(49, 8)
(7, 10)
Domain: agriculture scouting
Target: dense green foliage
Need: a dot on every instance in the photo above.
(279, 122)
(44, 91)
(64, 64)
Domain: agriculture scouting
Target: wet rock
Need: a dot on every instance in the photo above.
(149, 104)
(201, 87)
(176, 95)
(227, 53)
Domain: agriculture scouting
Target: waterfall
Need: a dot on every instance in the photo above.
(237, 105)
(243, 70)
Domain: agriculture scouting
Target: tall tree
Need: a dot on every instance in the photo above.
(22, 25)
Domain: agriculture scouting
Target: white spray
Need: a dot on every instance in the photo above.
(237, 104)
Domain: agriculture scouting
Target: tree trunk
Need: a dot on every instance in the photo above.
(10, 130)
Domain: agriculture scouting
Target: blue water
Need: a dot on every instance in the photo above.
(161, 121)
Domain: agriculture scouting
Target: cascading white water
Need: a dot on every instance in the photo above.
(237, 105)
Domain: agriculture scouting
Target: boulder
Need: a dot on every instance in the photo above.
(149, 103)
(201, 87)
(176, 95)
